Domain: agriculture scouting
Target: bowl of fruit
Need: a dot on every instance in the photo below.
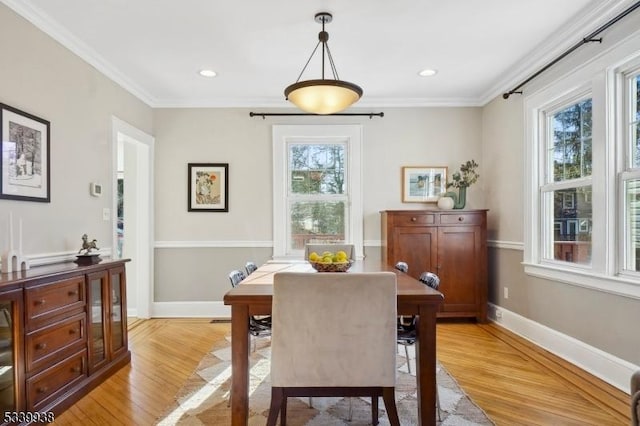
(330, 262)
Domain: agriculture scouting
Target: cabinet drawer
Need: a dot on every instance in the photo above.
(55, 379)
(43, 345)
(410, 219)
(460, 219)
(54, 298)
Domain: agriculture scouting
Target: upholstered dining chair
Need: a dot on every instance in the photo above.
(407, 333)
(319, 248)
(321, 323)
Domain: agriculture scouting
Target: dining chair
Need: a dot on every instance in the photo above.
(407, 334)
(250, 267)
(320, 248)
(258, 326)
(340, 314)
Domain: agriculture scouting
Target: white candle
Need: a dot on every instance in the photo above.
(20, 236)
(10, 231)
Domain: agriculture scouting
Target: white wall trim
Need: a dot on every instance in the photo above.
(212, 244)
(211, 310)
(603, 365)
(510, 245)
(41, 259)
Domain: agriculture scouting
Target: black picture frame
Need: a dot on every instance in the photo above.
(25, 172)
(208, 187)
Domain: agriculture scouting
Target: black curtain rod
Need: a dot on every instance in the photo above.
(289, 114)
(588, 39)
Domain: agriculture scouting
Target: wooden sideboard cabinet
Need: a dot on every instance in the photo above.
(63, 330)
(450, 243)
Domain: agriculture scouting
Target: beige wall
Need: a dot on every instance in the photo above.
(39, 76)
(404, 137)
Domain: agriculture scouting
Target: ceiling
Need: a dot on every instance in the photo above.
(155, 48)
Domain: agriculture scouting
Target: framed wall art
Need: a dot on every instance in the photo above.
(422, 184)
(24, 144)
(208, 187)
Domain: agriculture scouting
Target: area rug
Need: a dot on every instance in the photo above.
(204, 397)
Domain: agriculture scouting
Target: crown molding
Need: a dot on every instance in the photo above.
(47, 25)
(553, 46)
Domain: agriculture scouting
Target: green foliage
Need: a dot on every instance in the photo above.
(466, 177)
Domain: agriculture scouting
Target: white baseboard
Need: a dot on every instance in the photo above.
(190, 310)
(613, 370)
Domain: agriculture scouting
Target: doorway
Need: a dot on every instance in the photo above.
(132, 201)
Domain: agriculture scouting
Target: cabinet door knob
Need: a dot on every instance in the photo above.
(73, 330)
(460, 218)
(76, 369)
(41, 346)
(42, 389)
(413, 219)
(39, 302)
(73, 293)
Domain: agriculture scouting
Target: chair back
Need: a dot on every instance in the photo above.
(250, 267)
(333, 329)
(236, 276)
(430, 279)
(402, 267)
(319, 248)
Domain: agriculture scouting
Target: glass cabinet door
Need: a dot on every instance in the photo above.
(97, 312)
(11, 377)
(118, 312)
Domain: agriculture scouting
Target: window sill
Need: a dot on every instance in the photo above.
(620, 286)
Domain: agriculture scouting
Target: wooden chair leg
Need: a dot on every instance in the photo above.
(388, 395)
(283, 411)
(374, 410)
(277, 395)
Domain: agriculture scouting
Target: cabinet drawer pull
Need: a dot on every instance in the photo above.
(39, 302)
(41, 346)
(42, 389)
(73, 293)
(76, 369)
(413, 219)
(73, 330)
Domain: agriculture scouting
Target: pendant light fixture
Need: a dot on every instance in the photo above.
(323, 96)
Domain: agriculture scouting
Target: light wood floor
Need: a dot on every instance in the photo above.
(515, 382)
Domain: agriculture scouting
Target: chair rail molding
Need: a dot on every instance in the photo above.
(211, 244)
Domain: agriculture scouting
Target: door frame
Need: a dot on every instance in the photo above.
(144, 234)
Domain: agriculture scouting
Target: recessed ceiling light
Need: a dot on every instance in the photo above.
(428, 73)
(207, 73)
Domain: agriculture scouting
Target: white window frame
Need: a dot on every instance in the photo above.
(602, 77)
(283, 135)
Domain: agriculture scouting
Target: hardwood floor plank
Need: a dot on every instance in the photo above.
(512, 380)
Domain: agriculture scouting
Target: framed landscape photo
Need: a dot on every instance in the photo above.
(208, 187)
(24, 144)
(422, 184)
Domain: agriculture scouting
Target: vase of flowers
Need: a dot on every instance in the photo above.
(463, 179)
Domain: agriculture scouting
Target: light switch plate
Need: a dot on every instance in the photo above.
(106, 214)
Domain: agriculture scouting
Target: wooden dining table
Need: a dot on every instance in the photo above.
(254, 295)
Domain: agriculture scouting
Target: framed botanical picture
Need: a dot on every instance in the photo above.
(24, 143)
(208, 187)
(422, 184)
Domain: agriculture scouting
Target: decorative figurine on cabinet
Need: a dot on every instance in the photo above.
(85, 255)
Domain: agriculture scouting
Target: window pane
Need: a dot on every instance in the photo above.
(317, 169)
(571, 150)
(316, 222)
(632, 225)
(634, 134)
(572, 225)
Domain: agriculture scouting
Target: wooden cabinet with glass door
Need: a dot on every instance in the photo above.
(108, 326)
(11, 352)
